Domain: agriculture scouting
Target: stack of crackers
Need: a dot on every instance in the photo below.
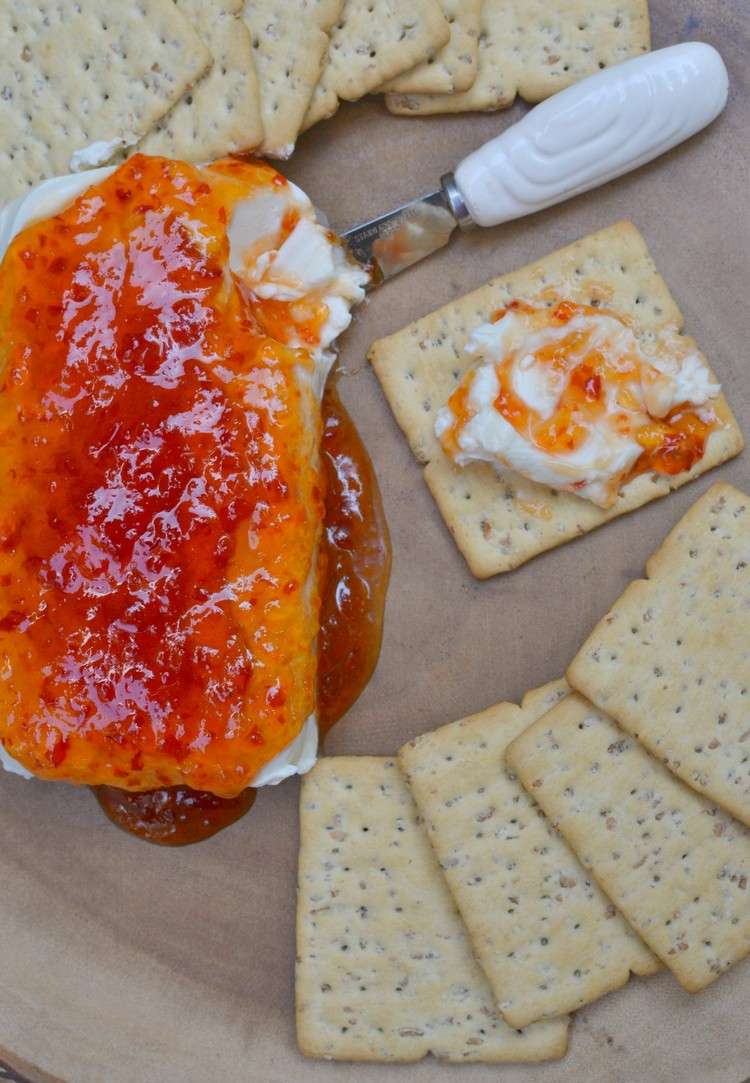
(455, 56)
(507, 869)
(83, 81)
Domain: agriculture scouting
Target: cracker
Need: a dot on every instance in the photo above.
(496, 79)
(221, 114)
(502, 520)
(290, 41)
(534, 48)
(454, 67)
(675, 865)
(671, 660)
(77, 72)
(374, 41)
(384, 967)
(546, 937)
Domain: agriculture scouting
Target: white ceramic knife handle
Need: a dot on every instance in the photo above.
(594, 131)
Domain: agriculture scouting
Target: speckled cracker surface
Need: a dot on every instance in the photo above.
(495, 83)
(75, 72)
(502, 520)
(545, 935)
(384, 967)
(290, 41)
(676, 865)
(454, 67)
(535, 48)
(221, 113)
(374, 41)
(671, 659)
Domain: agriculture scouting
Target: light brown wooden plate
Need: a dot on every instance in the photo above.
(125, 963)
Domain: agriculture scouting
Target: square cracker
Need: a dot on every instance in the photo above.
(675, 865)
(76, 72)
(502, 520)
(454, 68)
(534, 48)
(374, 41)
(546, 937)
(290, 42)
(221, 113)
(671, 660)
(384, 967)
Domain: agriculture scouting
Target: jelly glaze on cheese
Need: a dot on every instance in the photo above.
(355, 555)
(161, 499)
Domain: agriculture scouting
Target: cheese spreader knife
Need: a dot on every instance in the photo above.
(594, 131)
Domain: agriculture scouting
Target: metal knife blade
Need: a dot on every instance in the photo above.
(389, 244)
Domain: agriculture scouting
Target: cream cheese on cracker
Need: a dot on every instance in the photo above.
(570, 396)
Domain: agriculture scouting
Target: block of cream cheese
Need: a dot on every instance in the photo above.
(165, 336)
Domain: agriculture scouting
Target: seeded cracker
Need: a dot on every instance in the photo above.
(502, 520)
(535, 48)
(454, 68)
(671, 660)
(374, 41)
(546, 937)
(221, 113)
(675, 865)
(76, 72)
(384, 968)
(290, 41)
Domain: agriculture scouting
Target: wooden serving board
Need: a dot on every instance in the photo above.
(125, 963)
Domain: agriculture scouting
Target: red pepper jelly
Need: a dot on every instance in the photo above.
(161, 495)
(356, 558)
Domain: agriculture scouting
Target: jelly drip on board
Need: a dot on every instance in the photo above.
(356, 559)
(357, 555)
(174, 816)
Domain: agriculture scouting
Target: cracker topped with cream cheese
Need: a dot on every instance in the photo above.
(565, 380)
